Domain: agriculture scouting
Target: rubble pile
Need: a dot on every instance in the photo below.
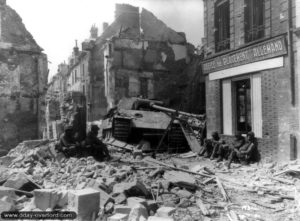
(33, 177)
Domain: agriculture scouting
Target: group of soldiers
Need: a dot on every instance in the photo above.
(242, 149)
(91, 146)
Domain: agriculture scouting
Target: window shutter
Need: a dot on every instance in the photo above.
(227, 107)
(257, 105)
(216, 29)
(247, 19)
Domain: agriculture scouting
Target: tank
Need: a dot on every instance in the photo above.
(134, 119)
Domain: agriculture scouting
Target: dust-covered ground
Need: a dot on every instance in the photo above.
(34, 177)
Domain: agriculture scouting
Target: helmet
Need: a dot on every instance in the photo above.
(251, 135)
(94, 127)
(215, 135)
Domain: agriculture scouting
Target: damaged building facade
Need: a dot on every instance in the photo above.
(136, 55)
(251, 75)
(23, 79)
(146, 58)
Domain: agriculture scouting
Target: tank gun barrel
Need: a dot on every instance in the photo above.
(169, 110)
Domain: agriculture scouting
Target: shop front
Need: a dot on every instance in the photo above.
(242, 93)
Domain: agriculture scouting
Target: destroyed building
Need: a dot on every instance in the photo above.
(252, 81)
(144, 63)
(136, 55)
(23, 79)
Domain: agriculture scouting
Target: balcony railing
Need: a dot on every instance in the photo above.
(254, 33)
(222, 45)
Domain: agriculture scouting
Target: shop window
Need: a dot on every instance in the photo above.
(243, 105)
(254, 20)
(222, 25)
(144, 87)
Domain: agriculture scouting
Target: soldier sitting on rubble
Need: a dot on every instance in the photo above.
(95, 146)
(67, 144)
(226, 150)
(144, 145)
(246, 151)
(211, 146)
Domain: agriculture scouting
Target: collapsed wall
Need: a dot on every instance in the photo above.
(23, 78)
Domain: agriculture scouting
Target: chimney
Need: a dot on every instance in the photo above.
(104, 26)
(76, 49)
(94, 32)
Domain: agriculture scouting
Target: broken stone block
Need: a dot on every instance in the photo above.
(118, 217)
(84, 202)
(184, 203)
(6, 191)
(120, 176)
(104, 196)
(45, 198)
(170, 199)
(63, 198)
(181, 179)
(6, 206)
(6, 160)
(109, 208)
(120, 198)
(138, 212)
(184, 194)
(122, 209)
(132, 201)
(20, 181)
(155, 218)
(135, 188)
(165, 211)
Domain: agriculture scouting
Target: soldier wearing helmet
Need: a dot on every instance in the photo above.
(67, 142)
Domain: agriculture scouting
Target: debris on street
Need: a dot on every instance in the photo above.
(170, 187)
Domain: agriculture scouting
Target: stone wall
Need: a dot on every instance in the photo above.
(23, 78)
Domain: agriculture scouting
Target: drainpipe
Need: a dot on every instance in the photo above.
(291, 51)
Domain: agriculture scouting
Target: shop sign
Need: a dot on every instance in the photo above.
(261, 51)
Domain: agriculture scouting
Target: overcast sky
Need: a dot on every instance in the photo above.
(55, 24)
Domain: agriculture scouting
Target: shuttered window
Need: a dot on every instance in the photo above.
(254, 20)
(222, 25)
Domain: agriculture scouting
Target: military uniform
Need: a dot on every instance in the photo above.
(95, 146)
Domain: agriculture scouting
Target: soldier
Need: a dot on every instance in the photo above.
(95, 146)
(245, 153)
(238, 142)
(67, 144)
(211, 145)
